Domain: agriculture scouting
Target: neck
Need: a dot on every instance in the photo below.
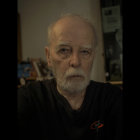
(74, 99)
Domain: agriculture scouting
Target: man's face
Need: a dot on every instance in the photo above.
(71, 54)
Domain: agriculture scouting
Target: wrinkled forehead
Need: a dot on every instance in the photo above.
(72, 24)
(72, 27)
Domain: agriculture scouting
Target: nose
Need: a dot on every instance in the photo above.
(75, 60)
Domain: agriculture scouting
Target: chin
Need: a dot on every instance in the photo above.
(73, 86)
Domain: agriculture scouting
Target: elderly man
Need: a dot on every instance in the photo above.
(70, 106)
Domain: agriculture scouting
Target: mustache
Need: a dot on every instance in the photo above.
(74, 72)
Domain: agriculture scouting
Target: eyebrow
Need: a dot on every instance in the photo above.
(86, 47)
(61, 43)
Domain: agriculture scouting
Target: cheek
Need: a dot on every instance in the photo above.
(59, 65)
(87, 66)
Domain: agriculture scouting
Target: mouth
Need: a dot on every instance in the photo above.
(75, 77)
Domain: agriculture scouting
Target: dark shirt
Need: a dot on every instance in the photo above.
(44, 114)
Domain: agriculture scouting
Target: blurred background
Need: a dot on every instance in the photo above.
(34, 16)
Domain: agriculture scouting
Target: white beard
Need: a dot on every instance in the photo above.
(70, 84)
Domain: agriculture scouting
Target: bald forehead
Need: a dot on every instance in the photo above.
(72, 21)
(71, 18)
(71, 24)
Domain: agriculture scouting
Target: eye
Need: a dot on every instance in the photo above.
(64, 51)
(85, 52)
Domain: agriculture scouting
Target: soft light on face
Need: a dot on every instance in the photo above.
(69, 78)
(72, 79)
(65, 50)
(71, 55)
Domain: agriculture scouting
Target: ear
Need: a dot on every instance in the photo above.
(47, 51)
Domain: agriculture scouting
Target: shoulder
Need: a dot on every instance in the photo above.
(34, 88)
(107, 95)
(34, 95)
(104, 85)
(105, 88)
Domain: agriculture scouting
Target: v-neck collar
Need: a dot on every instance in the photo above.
(63, 101)
(63, 108)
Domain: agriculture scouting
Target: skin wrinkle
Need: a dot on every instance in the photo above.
(68, 47)
(70, 56)
(61, 43)
(51, 33)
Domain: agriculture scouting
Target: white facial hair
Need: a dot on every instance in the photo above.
(72, 85)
